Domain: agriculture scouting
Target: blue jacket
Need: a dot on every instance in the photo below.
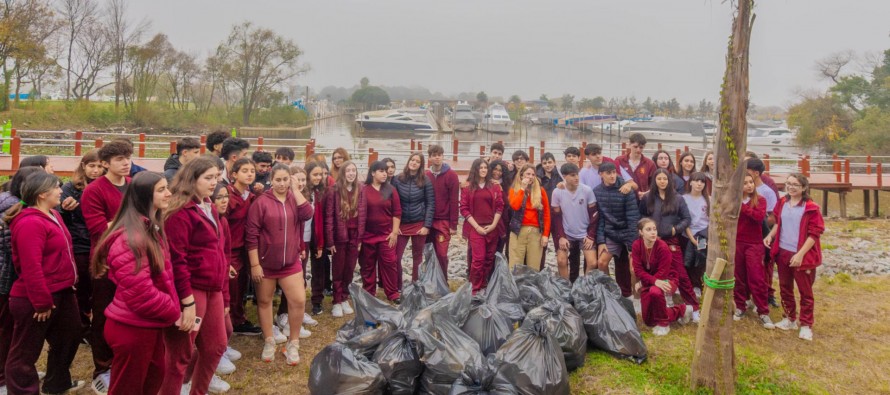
(418, 203)
(619, 214)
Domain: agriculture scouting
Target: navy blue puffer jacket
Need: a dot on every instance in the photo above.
(619, 214)
(418, 203)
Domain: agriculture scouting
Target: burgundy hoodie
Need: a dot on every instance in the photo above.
(196, 250)
(335, 228)
(811, 225)
(447, 189)
(275, 229)
(237, 216)
(100, 202)
(43, 257)
(750, 227)
(660, 266)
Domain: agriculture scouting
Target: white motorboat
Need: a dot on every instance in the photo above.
(462, 119)
(394, 120)
(772, 137)
(675, 130)
(497, 120)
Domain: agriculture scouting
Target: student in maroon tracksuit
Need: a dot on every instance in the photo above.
(635, 168)
(379, 215)
(134, 255)
(99, 204)
(652, 265)
(794, 244)
(750, 279)
(341, 231)
(481, 205)
(274, 242)
(447, 190)
(243, 174)
(42, 301)
(200, 272)
(319, 261)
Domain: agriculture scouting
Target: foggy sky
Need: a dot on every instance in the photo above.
(657, 48)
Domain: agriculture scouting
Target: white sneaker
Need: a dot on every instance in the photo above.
(186, 388)
(2, 390)
(696, 316)
(218, 385)
(304, 333)
(225, 366)
(41, 375)
(101, 383)
(292, 352)
(697, 291)
(669, 300)
(687, 316)
(786, 325)
(806, 333)
(279, 337)
(737, 316)
(308, 320)
(268, 350)
(750, 304)
(347, 309)
(283, 323)
(337, 311)
(661, 330)
(766, 321)
(232, 354)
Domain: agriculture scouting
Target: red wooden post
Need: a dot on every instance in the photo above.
(531, 154)
(15, 149)
(259, 143)
(685, 148)
(78, 146)
(766, 163)
(880, 171)
(419, 146)
(836, 167)
(172, 147)
(677, 160)
(412, 144)
(203, 144)
(98, 143)
(868, 165)
(659, 146)
(370, 157)
(142, 145)
(454, 145)
(542, 149)
(846, 171)
(13, 133)
(583, 147)
(481, 151)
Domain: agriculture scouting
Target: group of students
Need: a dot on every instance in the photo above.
(156, 268)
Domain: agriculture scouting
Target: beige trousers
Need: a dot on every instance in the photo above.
(525, 249)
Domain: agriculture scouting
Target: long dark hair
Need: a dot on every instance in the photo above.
(15, 189)
(322, 185)
(145, 239)
(473, 178)
(680, 169)
(670, 167)
(385, 188)
(34, 160)
(703, 178)
(183, 185)
(420, 177)
(506, 180)
(348, 199)
(670, 203)
(79, 179)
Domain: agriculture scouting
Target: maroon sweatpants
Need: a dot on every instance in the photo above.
(343, 266)
(440, 236)
(417, 243)
(103, 294)
(6, 327)
(61, 331)
(238, 285)
(622, 272)
(138, 366)
(788, 276)
(482, 250)
(655, 311)
(683, 282)
(378, 258)
(750, 279)
(210, 341)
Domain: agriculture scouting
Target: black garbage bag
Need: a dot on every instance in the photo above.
(488, 326)
(565, 325)
(532, 360)
(431, 277)
(337, 369)
(374, 321)
(502, 291)
(554, 287)
(530, 297)
(400, 363)
(524, 275)
(609, 326)
(483, 379)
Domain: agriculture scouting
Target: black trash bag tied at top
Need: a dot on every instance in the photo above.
(429, 287)
(502, 291)
(374, 321)
(487, 326)
(609, 325)
(545, 282)
(567, 328)
(532, 360)
(483, 379)
(400, 363)
(337, 369)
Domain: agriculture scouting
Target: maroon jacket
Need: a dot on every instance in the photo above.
(142, 300)
(659, 268)
(100, 202)
(196, 251)
(811, 225)
(642, 175)
(466, 204)
(447, 189)
(275, 230)
(335, 228)
(237, 216)
(43, 256)
(377, 213)
(750, 228)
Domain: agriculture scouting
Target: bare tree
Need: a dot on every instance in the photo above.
(147, 63)
(92, 57)
(122, 35)
(76, 15)
(182, 70)
(831, 66)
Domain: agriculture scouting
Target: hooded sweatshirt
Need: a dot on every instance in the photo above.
(275, 229)
(43, 257)
(447, 189)
(171, 166)
(811, 225)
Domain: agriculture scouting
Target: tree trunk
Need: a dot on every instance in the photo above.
(713, 364)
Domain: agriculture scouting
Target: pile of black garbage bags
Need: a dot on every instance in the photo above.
(521, 335)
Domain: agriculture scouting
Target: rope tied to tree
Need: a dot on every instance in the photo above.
(717, 283)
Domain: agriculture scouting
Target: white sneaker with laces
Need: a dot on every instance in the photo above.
(750, 304)
(661, 330)
(292, 352)
(337, 311)
(225, 366)
(268, 350)
(737, 316)
(696, 316)
(304, 333)
(766, 321)
(687, 316)
(101, 383)
(218, 385)
(283, 323)
(279, 337)
(347, 309)
(806, 333)
(232, 354)
(308, 320)
(786, 325)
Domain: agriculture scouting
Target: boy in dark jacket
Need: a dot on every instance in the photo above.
(447, 189)
(187, 149)
(616, 231)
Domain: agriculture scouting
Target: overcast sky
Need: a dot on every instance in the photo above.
(658, 48)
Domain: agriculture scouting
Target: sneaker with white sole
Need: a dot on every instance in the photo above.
(696, 316)
(806, 333)
(308, 320)
(232, 354)
(737, 316)
(661, 330)
(101, 383)
(337, 311)
(186, 388)
(218, 385)
(225, 366)
(304, 333)
(347, 309)
(291, 352)
(279, 337)
(786, 325)
(283, 323)
(687, 316)
(3, 390)
(268, 350)
(697, 291)
(767, 322)
(750, 305)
